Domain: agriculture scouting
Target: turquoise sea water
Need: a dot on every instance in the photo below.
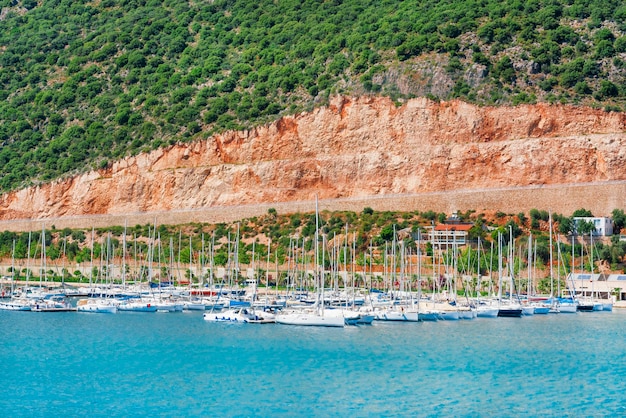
(134, 364)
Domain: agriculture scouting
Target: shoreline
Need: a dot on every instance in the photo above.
(621, 304)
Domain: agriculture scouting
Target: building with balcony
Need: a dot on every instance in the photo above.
(444, 236)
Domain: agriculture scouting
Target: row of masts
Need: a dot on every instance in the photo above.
(398, 264)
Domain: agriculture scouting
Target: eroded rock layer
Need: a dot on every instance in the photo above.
(354, 148)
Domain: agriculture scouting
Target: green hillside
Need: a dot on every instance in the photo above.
(86, 83)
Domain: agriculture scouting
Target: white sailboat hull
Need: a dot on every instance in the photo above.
(349, 317)
(14, 306)
(137, 307)
(310, 319)
(191, 306)
(567, 308)
(486, 312)
(449, 315)
(429, 316)
(239, 315)
(397, 316)
(97, 308)
(467, 314)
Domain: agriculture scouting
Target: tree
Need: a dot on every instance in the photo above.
(387, 233)
(582, 213)
(607, 89)
(504, 69)
(619, 220)
(476, 231)
(565, 225)
(584, 227)
(535, 214)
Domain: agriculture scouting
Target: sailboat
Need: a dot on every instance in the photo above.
(565, 305)
(191, 303)
(95, 304)
(318, 316)
(402, 311)
(540, 308)
(485, 308)
(240, 315)
(14, 304)
(506, 308)
(50, 302)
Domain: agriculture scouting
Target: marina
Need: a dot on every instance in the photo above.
(338, 339)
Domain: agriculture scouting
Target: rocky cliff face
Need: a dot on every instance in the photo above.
(355, 147)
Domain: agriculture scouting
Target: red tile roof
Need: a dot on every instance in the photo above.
(455, 227)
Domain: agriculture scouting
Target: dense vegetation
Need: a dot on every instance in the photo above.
(83, 83)
(366, 239)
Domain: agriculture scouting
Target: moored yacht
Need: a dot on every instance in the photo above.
(52, 303)
(96, 305)
(15, 305)
(309, 318)
(135, 305)
(240, 315)
(397, 314)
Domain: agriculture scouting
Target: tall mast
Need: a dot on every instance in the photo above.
(28, 258)
(13, 269)
(190, 265)
(267, 269)
(529, 263)
(91, 263)
(124, 257)
(499, 267)
(551, 266)
(43, 256)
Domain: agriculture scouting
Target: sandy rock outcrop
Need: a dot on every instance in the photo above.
(355, 147)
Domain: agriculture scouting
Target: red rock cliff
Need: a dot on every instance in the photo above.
(354, 147)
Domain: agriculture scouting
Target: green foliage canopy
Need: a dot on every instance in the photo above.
(86, 83)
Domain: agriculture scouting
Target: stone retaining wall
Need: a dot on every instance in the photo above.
(600, 198)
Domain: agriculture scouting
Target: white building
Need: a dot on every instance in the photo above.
(602, 286)
(603, 226)
(444, 236)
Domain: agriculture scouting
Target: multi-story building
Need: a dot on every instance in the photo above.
(451, 233)
(603, 226)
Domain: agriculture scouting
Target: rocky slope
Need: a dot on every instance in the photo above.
(363, 148)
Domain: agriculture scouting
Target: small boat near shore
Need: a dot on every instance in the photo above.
(52, 303)
(96, 305)
(15, 305)
(240, 315)
(310, 319)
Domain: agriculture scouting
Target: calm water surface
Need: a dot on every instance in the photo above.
(134, 364)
